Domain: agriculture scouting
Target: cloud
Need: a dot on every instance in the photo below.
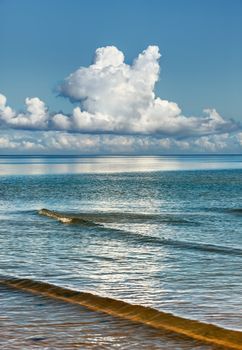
(118, 98)
(213, 143)
(58, 142)
(35, 117)
(119, 109)
(239, 138)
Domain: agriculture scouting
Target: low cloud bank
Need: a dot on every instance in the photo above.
(58, 142)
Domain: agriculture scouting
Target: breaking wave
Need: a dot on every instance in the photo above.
(100, 219)
(66, 219)
(113, 217)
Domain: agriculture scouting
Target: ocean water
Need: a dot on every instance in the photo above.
(161, 232)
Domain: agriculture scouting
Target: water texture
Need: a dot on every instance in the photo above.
(169, 238)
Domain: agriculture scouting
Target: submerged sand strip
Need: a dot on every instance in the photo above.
(161, 320)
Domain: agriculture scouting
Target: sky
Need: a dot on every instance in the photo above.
(120, 77)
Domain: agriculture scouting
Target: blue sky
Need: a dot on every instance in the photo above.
(43, 42)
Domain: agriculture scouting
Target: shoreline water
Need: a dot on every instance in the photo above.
(186, 334)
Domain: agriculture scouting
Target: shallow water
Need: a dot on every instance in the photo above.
(35, 322)
(171, 240)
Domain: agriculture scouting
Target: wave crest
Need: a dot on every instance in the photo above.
(101, 219)
(65, 219)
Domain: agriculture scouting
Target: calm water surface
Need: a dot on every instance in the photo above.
(164, 232)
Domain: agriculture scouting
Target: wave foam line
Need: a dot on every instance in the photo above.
(65, 219)
(70, 219)
(208, 333)
(113, 217)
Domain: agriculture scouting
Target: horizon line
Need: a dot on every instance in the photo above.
(122, 155)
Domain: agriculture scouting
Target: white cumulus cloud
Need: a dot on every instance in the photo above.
(117, 98)
(35, 116)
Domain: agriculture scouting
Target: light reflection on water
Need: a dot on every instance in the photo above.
(72, 165)
(161, 260)
(35, 322)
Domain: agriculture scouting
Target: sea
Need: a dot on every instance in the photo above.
(91, 246)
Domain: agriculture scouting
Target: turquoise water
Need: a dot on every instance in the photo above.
(164, 232)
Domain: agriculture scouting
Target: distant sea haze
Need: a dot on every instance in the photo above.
(73, 164)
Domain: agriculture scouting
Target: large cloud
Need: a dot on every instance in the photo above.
(119, 98)
(116, 98)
